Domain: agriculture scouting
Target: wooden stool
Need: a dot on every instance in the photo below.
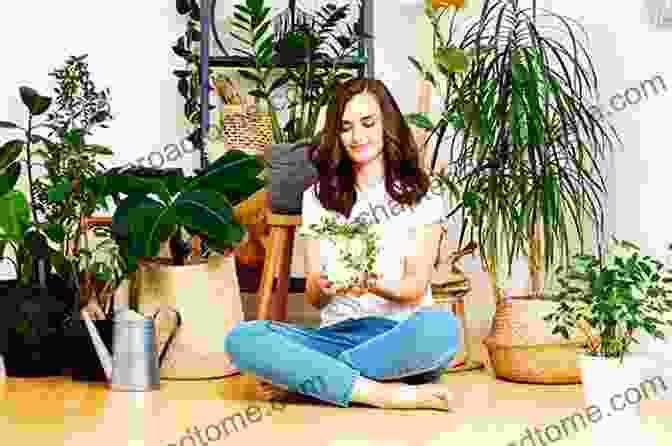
(272, 304)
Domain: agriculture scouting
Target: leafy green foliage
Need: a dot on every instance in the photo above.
(312, 86)
(158, 209)
(627, 293)
(357, 244)
(59, 142)
(516, 99)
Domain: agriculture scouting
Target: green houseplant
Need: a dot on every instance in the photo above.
(310, 86)
(525, 151)
(57, 204)
(357, 250)
(171, 208)
(613, 302)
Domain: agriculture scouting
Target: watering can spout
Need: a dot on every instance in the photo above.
(101, 350)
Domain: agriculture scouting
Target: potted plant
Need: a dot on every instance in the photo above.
(172, 209)
(311, 87)
(613, 302)
(357, 251)
(57, 203)
(526, 152)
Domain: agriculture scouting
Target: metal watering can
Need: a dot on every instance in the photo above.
(136, 365)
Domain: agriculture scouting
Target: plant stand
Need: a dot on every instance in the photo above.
(207, 295)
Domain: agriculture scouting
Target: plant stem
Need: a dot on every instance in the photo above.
(30, 175)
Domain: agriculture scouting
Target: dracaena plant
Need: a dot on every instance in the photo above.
(309, 87)
(160, 209)
(525, 151)
(613, 301)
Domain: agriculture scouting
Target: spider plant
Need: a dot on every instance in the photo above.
(526, 151)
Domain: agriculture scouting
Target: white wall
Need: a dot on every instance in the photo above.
(129, 51)
(627, 50)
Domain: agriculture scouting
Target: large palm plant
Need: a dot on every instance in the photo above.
(527, 151)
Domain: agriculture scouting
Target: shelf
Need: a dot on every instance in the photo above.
(246, 62)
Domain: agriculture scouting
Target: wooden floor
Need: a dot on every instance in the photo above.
(57, 411)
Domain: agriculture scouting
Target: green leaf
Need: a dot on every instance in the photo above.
(420, 120)
(57, 193)
(104, 275)
(73, 137)
(9, 178)
(138, 214)
(207, 212)
(471, 200)
(234, 175)
(452, 60)
(418, 65)
(14, 215)
(10, 152)
(251, 76)
(35, 103)
(128, 184)
(8, 125)
(55, 232)
(98, 149)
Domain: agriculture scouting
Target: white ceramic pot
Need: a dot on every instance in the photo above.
(613, 392)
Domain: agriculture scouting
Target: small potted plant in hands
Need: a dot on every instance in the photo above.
(612, 302)
(357, 252)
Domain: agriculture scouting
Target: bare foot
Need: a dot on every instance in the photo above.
(403, 396)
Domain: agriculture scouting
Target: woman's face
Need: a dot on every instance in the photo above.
(362, 129)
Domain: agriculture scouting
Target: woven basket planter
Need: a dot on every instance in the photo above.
(246, 129)
(521, 347)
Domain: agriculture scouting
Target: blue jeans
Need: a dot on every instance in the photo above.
(324, 362)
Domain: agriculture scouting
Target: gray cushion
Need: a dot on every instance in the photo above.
(291, 174)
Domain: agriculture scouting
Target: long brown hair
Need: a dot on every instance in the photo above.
(405, 180)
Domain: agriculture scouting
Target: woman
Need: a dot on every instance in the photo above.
(374, 342)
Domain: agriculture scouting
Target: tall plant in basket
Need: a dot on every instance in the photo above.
(526, 152)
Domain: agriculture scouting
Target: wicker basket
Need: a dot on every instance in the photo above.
(449, 287)
(246, 129)
(522, 348)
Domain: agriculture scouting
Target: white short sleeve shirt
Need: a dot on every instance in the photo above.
(399, 226)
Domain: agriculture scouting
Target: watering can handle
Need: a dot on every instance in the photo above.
(171, 338)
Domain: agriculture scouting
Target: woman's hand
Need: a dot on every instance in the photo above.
(365, 284)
